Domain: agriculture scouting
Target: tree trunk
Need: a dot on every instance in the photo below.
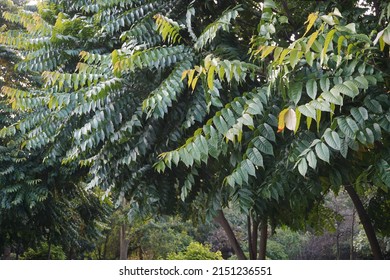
(253, 228)
(263, 239)
(365, 220)
(123, 243)
(104, 257)
(49, 247)
(337, 243)
(351, 249)
(221, 219)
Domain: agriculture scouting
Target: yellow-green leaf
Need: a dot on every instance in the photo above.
(310, 21)
(281, 122)
(210, 77)
(194, 81)
(190, 76)
(298, 119)
(328, 39)
(312, 38)
(267, 50)
(340, 43)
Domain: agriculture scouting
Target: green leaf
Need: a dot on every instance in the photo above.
(255, 156)
(309, 57)
(333, 96)
(328, 19)
(332, 139)
(344, 148)
(308, 111)
(263, 145)
(359, 114)
(220, 124)
(322, 152)
(386, 34)
(325, 83)
(311, 159)
(255, 107)
(342, 88)
(249, 167)
(247, 120)
(302, 167)
(351, 27)
(267, 131)
(348, 126)
(373, 105)
(369, 135)
(294, 57)
(311, 88)
(362, 81)
(295, 92)
(352, 86)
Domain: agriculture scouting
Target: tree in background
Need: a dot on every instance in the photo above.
(39, 201)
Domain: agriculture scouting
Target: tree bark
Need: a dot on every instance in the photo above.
(123, 243)
(337, 243)
(104, 257)
(351, 249)
(49, 246)
(366, 222)
(252, 237)
(221, 219)
(263, 239)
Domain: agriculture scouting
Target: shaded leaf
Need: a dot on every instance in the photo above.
(322, 152)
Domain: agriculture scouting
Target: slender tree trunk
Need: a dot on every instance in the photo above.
(351, 249)
(253, 228)
(221, 219)
(104, 257)
(263, 239)
(365, 220)
(249, 229)
(123, 243)
(49, 249)
(337, 243)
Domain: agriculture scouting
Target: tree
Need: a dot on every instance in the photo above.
(39, 201)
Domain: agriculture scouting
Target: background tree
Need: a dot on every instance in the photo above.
(39, 201)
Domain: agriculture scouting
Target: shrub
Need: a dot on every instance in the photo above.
(41, 253)
(196, 251)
